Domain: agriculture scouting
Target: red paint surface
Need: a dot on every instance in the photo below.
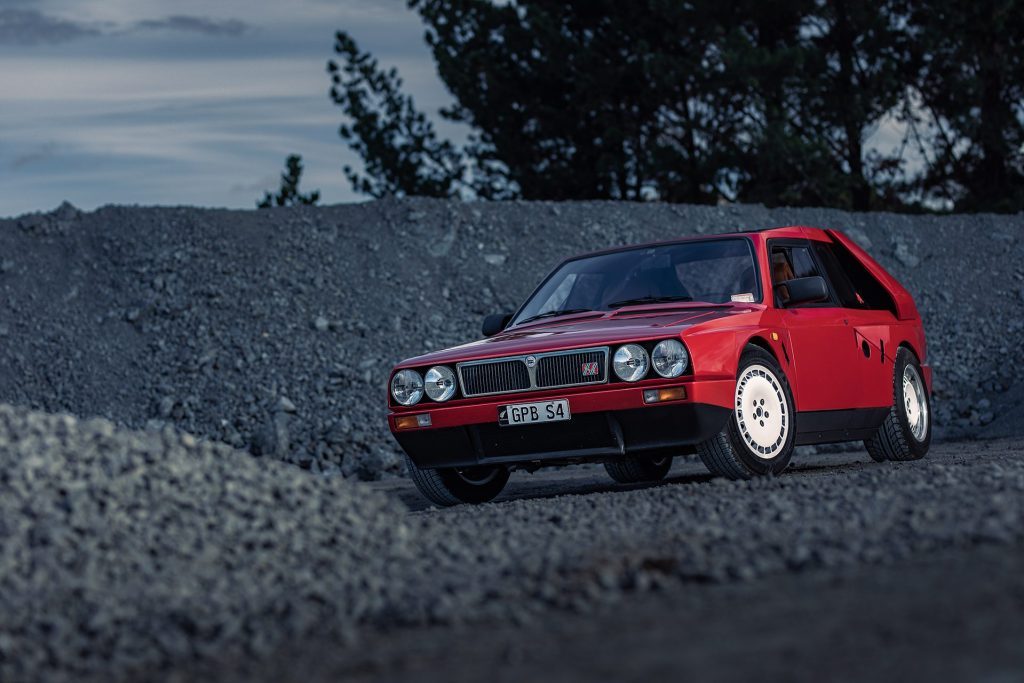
(821, 350)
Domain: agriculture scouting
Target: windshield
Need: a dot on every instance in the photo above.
(712, 271)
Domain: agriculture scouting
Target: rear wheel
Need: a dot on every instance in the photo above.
(453, 485)
(758, 438)
(906, 433)
(633, 469)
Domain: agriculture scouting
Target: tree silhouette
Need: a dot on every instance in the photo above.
(289, 194)
(704, 101)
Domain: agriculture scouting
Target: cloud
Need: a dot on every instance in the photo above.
(268, 182)
(40, 153)
(32, 27)
(204, 25)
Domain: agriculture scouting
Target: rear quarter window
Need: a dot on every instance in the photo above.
(854, 285)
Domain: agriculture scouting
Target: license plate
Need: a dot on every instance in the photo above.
(533, 413)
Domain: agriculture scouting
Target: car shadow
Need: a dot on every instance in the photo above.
(586, 480)
(552, 484)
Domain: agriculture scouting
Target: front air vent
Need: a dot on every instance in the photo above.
(500, 377)
(551, 370)
(569, 369)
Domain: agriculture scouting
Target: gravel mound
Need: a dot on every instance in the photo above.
(128, 550)
(124, 552)
(273, 331)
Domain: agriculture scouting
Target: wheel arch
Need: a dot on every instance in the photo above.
(760, 339)
(925, 369)
(906, 344)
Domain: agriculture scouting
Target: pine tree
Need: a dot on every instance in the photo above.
(289, 194)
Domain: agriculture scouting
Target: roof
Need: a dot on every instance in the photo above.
(793, 231)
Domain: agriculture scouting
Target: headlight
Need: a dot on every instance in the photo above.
(407, 387)
(631, 362)
(669, 358)
(440, 382)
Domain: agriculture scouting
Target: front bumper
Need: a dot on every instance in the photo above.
(609, 421)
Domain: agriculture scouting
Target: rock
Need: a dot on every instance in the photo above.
(166, 407)
(338, 433)
(904, 255)
(321, 324)
(495, 259)
(273, 438)
(284, 404)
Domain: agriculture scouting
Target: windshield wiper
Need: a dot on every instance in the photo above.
(551, 314)
(648, 300)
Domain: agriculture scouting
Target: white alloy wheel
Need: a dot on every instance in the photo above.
(761, 412)
(756, 439)
(915, 400)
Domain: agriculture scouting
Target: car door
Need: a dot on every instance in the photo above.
(823, 343)
(870, 312)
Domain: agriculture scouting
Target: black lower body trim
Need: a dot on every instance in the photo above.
(831, 426)
(587, 436)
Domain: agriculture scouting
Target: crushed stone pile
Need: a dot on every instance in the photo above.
(274, 331)
(123, 552)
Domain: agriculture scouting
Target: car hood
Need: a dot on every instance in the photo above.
(585, 329)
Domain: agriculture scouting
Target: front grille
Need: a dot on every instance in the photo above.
(568, 368)
(495, 378)
(543, 371)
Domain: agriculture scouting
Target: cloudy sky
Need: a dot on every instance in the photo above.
(185, 101)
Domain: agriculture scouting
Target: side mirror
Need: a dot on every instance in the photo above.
(803, 290)
(495, 323)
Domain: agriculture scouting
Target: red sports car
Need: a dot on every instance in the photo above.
(737, 347)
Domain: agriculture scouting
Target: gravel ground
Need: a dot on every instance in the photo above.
(126, 552)
(273, 331)
(863, 624)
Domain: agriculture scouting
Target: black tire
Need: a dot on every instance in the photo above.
(633, 469)
(730, 453)
(451, 486)
(901, 437)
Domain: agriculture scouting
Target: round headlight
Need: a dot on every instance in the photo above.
(407, 387)
(631, 362)
(440, 383)
(669, 358)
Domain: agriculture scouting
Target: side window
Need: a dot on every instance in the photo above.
(790, 262)
(803, 262)
(867, 291)
(844, 288)
(782, 269)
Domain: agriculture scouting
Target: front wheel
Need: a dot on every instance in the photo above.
(758, 438)
(906, 433)
(453, 485)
